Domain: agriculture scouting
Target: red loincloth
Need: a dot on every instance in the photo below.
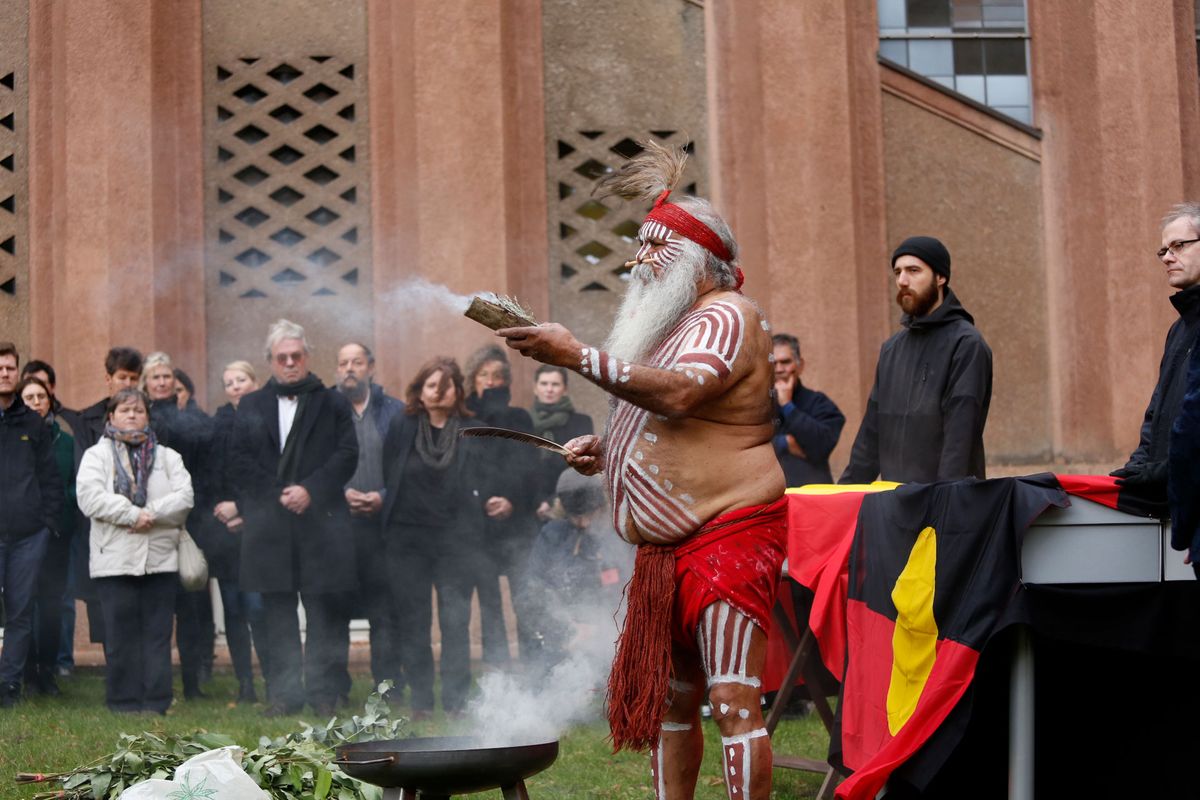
(736, 558)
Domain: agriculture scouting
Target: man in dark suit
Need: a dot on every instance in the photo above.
(294, 449)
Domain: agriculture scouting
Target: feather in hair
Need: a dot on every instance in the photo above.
(656, 169)
(516, 436)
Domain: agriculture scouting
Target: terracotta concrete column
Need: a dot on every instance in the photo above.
(116, 186)
(1113, 162)
(458, 176)
(787, 82)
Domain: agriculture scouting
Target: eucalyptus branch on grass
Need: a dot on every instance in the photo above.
(298, 765)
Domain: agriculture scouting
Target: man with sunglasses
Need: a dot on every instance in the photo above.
(293, 451)
(1146, 470)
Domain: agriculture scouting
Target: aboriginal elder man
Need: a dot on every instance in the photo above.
(694, 482)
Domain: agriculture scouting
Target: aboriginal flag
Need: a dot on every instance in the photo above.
(932, 568)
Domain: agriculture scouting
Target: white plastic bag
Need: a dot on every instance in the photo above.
(213, 775)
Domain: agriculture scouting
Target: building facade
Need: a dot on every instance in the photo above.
(176, 176)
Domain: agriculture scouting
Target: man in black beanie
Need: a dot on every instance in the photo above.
(933, 383)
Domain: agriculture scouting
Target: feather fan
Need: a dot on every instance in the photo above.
(647, 175)
(516, 436)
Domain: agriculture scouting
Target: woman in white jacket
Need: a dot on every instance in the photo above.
(137, 495)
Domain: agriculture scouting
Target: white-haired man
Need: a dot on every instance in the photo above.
(293, 451)
(694, 482)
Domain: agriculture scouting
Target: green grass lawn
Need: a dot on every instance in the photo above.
(57, 734)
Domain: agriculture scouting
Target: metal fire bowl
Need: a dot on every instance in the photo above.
(444, 765)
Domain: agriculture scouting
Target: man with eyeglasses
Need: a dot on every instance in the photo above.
(1146, 470)
(933, 383)
(293, 451)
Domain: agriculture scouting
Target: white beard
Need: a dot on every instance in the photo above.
(652, 307)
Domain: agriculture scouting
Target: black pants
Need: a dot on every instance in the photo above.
(137, 642)
(508, 555)
(374, 600)
(420, 560)
(244, 627)
(313, 671)
(48, 610)
(194, 631)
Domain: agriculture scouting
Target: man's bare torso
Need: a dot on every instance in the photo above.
(668, 477)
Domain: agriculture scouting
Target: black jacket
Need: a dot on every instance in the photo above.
(31, 491)
(513, 469)
(1172, 379)
(927, 409)
(473, 479)
(282, 552)
(88, 427)
(815, 423)
(550, 465)
(1183, 474)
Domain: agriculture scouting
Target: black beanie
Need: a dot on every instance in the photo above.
(929, 250)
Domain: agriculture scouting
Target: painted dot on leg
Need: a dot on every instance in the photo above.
(724, 708)
(744, 713)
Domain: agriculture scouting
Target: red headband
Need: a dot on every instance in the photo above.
(680, 221)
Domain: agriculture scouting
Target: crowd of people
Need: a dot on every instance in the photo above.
(313, 505)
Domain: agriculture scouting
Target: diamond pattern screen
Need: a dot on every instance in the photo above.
(592, 239)
(8, 182)
(289, 212)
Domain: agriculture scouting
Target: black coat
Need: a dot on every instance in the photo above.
(1172, 380)
(513, 469)
(31, 491)
(282, 552)
(549, 465)
(1183, 474)
(815, 423)
(468, 470)
(927, 409)
(221, 548)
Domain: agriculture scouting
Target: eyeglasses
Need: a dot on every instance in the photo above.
(283, 359)
(1175, 248)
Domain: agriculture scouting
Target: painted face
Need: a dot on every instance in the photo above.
(121, 379)
(8, 375)
(160, 382)
(918, 287)
(1181, 260)
(289, 360)
(430, 398)
(490, 376)
(549, 388)
(660, 245)
(130, 416)
(786, 364)
(354, 369)
(37, 398)
(237, 383)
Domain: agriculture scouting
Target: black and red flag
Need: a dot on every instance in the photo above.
(932, 568)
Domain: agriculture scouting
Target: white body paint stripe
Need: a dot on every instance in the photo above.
(676, 727)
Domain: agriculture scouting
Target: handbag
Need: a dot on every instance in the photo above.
(193, 566)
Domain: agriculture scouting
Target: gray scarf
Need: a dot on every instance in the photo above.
(436, 455)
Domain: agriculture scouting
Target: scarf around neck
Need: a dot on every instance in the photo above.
(133, 458)
(302, 390)
(548, 416)
(437, 455)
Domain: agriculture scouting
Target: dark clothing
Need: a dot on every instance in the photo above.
(927, 410)
(221, 547)
(449, 557)
(419, 560)
(550, 465)
(514, 473)
(1167, 398)
(31, 490)
(137, 649)
(88, 428)
(813, 420)
(381, 410)
(1183, 469)
(285, 555)
(429, 499)
(20, 559)
(283, 552)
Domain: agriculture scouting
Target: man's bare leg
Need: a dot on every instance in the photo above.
(734, 652)
(675, 760)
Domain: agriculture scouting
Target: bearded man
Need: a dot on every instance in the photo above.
(694, 483)
(933, 382)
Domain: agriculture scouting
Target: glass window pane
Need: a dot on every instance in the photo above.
(1007, 90)
(891, 16)
(931, 58)
(947, 81)
(971, 86)
(894, 50)
(1019, 113)
(1004, 17)
(928, 13)
(968, 56)
(967, 16)
(1004, 57)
